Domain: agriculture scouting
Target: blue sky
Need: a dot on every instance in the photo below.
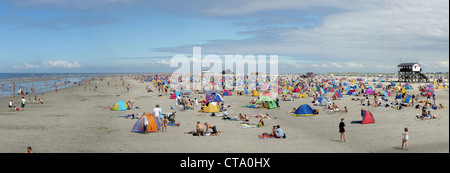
(143, 36)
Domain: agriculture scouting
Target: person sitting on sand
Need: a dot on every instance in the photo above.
(278, 132)
(335, 107)
(199, 129)
(29, 150)
(245, 119)
(241, 117)
(212, 127)
(440, 106)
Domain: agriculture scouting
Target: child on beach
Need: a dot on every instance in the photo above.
(405, 139)
(164, 128)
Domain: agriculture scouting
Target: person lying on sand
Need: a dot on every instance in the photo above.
(261, 116)
(292, 111)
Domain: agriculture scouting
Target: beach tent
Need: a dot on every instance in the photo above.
(175, 95)
(216, 97)
(409, 87)
(429, 93)
(324, 101)
(212, 107)
(268, 101)
(386, 93)
(337, 95)
(408, 99)
(296, 90)
(322, 91)
(120, 106)
(369, 91)
(245, 91)
(367, 117)
(304, 110)
(380, 85)
(302, 96)
(152, 125)
(351, 92)
(329, 89)
(255, 93)
(227, 93)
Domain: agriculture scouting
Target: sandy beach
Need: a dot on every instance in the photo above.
(75, 120)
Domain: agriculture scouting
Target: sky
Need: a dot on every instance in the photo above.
(138, 36)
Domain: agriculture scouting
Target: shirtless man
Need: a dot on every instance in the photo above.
(212, 127)
(199, 129)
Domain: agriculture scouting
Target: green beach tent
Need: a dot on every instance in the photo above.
(266, 100)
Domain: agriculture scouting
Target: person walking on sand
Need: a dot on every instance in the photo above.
(405, 139)
(342, 130)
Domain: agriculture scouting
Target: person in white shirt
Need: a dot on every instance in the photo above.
(23, 103)
(157, 113)
(196, 102)
(10, 105)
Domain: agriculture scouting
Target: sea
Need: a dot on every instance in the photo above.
(41, 82)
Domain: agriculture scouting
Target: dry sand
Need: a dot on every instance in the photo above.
(79, 121)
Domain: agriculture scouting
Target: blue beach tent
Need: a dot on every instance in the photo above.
(304, 110)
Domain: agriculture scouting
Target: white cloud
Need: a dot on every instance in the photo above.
(336, 65)
(27, 66)
(64, 64)
(443, 64)
(355, 65)
(163, 62)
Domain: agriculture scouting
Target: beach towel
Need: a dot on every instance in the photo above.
(174, 125)
(231, 119)
(265, 136)
(248, 126)
(210, 134)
